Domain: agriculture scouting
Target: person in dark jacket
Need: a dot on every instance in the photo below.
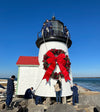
(29, 93)
(49, 30)
(38, 100)
(66, 31)
(44, 30)
(10, 91)
(75, 94)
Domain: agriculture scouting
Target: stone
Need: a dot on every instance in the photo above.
(14, 110)
(61, 108)
(36, 109)
(48, 100)
(63, 100)
(26, 102)
(81, 110)
(2, 105)
(91, 109)
(92, 100)
(82, 106)
(97, 109)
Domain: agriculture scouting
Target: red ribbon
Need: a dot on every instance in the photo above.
(52, 61)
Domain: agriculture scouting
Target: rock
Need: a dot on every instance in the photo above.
(36, 109)
(93, 99)
(91, 109)
(14, 110)
(81, 110)
(97, 109)
(24, 103)
(64, 100)
(82, 106)
(2, 105)
(27, 102)
(48, 100)
(61, 108)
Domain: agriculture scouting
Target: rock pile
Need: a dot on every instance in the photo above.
(89, 101)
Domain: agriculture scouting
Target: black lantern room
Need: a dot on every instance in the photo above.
(53, 30)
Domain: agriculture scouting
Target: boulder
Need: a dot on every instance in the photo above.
(92, 100)
(83, 106)
(2, 105)
(36, 109)
(97, 109)
(61, 108)
(81, 110)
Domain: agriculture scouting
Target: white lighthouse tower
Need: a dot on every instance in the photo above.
(54, 60)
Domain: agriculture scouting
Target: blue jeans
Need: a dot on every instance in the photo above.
(9, 99)
(58, 96)
(38, 100)
(75, 99)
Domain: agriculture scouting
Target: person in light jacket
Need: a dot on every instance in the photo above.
(58, 91)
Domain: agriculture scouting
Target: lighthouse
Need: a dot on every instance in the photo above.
(54, 59)
(42, 72)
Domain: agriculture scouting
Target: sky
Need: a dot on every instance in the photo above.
(21, 20)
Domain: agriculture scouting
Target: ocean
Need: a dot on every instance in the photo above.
(89, 83)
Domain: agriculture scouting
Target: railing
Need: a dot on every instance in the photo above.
(55, 33)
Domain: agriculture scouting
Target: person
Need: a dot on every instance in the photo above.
(49, 30)
(44, 30)
(58, 91)
(10, 91)
(38, 100)
(29, 93)
(66, 31)
(75, 94)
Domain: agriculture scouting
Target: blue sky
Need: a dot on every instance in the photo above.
(21, 20)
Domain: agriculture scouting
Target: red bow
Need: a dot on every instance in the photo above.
(52, 61)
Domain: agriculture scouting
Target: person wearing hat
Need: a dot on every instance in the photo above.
(66, 31)
(29, 93)
(44, 30)
(49, 30)
(10, 91)
(75, 95)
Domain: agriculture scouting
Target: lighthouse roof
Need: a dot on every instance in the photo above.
(27, 60)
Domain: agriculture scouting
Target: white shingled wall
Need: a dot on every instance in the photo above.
(26, 78)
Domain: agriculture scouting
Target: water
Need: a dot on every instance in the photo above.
(89, 83)
(8, 78)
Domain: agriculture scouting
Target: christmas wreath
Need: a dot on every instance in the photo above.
(51, 59)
